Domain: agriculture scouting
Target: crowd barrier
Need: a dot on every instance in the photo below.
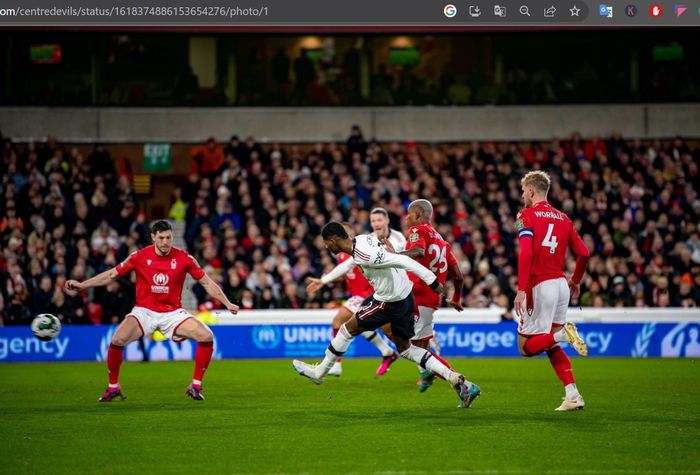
(637, 333)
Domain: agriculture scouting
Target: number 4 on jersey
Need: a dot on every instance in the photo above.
(549, 240)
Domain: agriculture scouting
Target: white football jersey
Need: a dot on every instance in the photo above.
(386, 271)
(395, 238)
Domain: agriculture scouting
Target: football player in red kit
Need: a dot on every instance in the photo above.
(426, 245)
(541, 303)
(160, 274)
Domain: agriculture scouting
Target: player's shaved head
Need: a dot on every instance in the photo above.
(423, 207)
(537, 179)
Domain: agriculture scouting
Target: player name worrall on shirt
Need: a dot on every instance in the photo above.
(548, 214)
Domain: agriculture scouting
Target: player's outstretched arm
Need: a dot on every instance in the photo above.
(413, 253)
(104, 278)
(404, 262)
(314, 284)
(215, 291)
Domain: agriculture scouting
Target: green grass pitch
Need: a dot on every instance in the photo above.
(642, 416)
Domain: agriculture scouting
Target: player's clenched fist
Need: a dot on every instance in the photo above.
(72, 287)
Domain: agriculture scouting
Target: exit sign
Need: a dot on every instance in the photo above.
(157, 157)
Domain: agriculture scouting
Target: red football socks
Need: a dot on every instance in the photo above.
(561, 364)
(539, 343)
(202, 357)
(115, 355)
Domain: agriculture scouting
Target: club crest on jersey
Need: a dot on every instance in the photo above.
(148, 261)
(160, 282)
(413, 237)
(520, 224)
(173, 264)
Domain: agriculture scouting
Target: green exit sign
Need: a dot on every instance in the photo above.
(157, 157)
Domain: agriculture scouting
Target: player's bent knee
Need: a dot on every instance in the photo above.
(401, 344)
(352, 327)
(120, 340)
(205, 335)
(523, 352)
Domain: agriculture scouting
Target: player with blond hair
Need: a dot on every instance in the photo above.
(544, 235)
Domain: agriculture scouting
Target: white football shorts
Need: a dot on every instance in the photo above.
(166, 322)
(354, 303)
(550, 301)
(423, 327)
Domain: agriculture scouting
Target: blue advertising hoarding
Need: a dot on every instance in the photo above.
(77, 343)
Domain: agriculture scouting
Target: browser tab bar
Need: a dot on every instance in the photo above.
(501, 13)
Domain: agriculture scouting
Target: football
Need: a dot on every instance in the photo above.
(46, 326)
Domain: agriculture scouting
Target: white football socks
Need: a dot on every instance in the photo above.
(560, 336)
(571, 391)
(374, 338)
(425, 359)
(339, 345)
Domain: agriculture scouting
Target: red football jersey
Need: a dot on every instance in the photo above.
(159, 279)
(437, 258)
(552, 232)
(356, 283)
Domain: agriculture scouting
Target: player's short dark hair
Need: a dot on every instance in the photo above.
(334, 229)
(380, 210)
(160, 226)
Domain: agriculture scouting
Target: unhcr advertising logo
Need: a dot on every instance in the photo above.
(266, 337)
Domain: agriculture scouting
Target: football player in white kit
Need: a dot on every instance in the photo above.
(392, 303)
(359, 289)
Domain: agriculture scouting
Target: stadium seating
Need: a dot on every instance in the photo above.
(253, 222)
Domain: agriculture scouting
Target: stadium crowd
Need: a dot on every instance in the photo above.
(253, 217)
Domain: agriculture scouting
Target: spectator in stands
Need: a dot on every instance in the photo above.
(42, 296)
(619, 294)
(356, 142)
(208, 159)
